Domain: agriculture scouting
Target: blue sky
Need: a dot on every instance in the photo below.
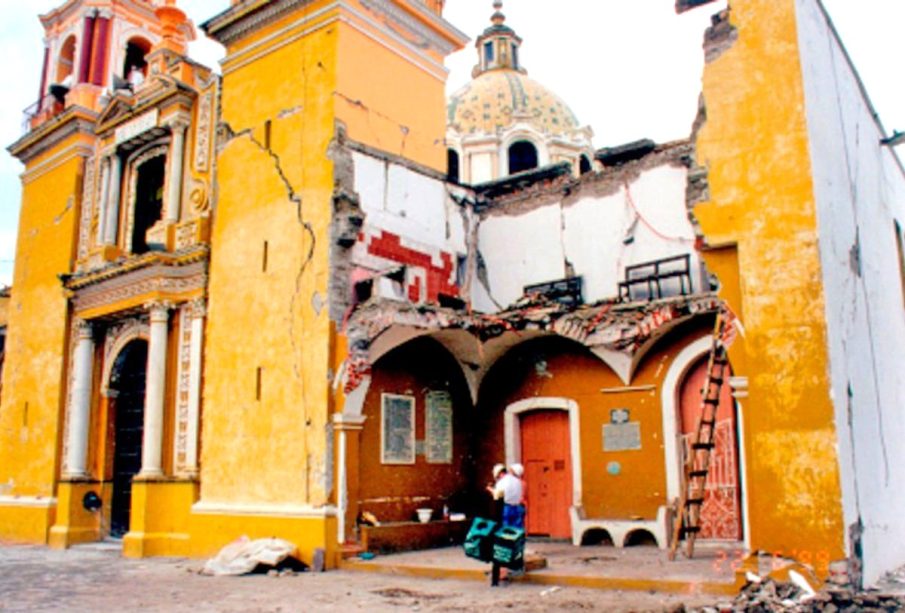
(628, 69)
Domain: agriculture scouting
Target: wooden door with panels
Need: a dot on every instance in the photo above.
(547, 457)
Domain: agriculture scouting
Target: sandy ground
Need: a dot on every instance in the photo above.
(38, 579)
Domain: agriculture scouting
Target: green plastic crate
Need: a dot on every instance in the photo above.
(480, 538)
(509, 547)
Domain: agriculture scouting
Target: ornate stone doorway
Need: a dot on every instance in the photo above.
(127, 384)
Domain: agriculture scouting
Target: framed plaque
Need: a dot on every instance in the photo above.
(439, 428)
(397, 429)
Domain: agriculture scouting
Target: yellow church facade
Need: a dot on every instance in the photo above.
(411, 329)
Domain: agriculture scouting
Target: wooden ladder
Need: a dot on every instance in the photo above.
(697, 460)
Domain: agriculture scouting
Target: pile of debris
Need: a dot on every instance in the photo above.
(769, 596)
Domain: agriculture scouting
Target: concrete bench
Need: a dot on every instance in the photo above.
(412, 535)
(620, 529)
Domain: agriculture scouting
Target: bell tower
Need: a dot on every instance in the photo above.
(95, 47)
(88, 47)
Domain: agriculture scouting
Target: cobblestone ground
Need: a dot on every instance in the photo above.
(38, 579)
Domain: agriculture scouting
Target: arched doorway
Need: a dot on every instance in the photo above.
(127, 382)
(721, 516)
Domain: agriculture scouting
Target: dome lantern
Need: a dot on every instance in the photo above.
(498, 46)
(503, 122)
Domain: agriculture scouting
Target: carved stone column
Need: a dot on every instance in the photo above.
(152, 440)
(80, 404)
(174, 176)
(199, 311)
(111, 207)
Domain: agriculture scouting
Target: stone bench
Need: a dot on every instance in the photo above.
(412, 535)
(620, 529)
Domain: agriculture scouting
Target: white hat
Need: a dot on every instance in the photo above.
(517, 469)
(497, 469)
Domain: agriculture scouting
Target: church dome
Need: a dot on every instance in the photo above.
(498, 99)
(503, 122)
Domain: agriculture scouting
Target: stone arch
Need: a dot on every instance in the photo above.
(639, 536)
(117, 339)
(65, 66)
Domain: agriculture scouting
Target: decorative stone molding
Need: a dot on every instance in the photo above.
(116, 338)
(183, 376)
(412, 27)
(739, 386)
(203, 132)
(199, 308)
(159, 279)
(88, 208)
(159, 311)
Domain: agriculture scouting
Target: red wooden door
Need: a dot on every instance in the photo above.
(720, 514)
(546, 454)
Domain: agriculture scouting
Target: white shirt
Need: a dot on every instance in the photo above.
(509, 488)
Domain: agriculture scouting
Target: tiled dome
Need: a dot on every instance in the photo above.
(497, 99)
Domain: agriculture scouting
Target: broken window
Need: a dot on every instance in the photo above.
(148, 201)
(522, 156)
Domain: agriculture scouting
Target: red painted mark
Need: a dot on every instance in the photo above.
(438, 279)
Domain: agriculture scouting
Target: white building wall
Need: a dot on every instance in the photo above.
(859, 190)
(521, 249)
(409, 204)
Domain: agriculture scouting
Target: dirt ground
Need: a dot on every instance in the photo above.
(39, 579)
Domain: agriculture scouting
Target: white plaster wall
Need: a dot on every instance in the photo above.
(533, 247)
(859, 191)
(481, 167)
(409, 204)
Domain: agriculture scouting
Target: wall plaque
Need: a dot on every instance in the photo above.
(397, 429)
(439, 428)
(621, 434)
(137, 126)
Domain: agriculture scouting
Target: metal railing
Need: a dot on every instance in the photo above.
(657, 279)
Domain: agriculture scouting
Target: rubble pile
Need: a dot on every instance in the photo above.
(770, 596)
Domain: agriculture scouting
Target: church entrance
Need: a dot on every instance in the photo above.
(127, 381)
(546, 455)
(721, 512)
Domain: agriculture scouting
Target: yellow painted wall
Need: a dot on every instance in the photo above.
(264, 437)
(271, 450)
(755, 145)
(32, 401)
(4, 310)
(402, 107)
